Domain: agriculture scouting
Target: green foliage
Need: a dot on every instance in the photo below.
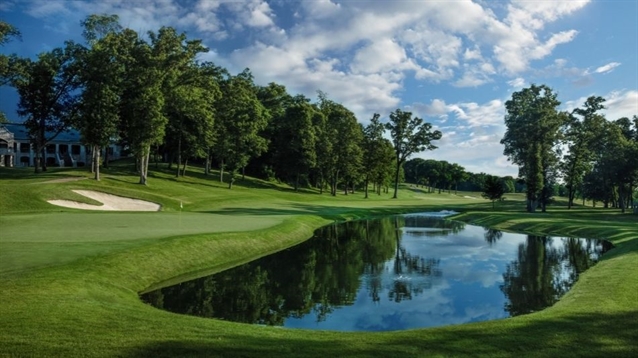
(240, 121)
(295, 138)
(409, 135)
(343, 163)
(7, 31)
(378, 154)
(493, 189)
(48, 95)
(530, 141)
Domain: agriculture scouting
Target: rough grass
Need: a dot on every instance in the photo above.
(71, 288)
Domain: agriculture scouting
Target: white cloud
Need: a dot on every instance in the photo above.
(380, 56)
(618, 104)
(472, 54)
(621, 104)
(607, 68)
(517, 83)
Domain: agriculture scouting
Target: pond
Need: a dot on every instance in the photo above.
(393, 273)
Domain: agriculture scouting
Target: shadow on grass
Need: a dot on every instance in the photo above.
(578, 335)
(339, 212)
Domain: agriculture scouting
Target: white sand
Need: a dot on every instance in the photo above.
(110, 202)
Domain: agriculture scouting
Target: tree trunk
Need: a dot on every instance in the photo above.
(106, 157)
(243, 173)
(207, 163)
(37, 161)
(297, 182)
(396, 179)
(184, 168)
(365, 188)
(221, 171)
(44, 159)
(179, 155)
(231, 180)
(96, 157)
(143, 159)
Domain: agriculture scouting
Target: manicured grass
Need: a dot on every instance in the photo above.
(70, 279)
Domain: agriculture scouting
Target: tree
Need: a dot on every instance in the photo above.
(530, 140)
(9, 65)
(141, 111)
(493, 189)
(190, 108)
(582, 137)
(345, 136)
(48, 95)
(457, 175)
(409, 135)
(241, 118)
(374, 156)
(101, 76)
(295, 153)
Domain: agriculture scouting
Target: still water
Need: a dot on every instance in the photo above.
(393, 273)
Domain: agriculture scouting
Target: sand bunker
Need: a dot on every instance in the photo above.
(110, 202)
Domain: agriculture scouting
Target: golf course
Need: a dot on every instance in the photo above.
(71, 278)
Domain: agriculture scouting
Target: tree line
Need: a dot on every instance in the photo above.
(154, 96)
(595, 158)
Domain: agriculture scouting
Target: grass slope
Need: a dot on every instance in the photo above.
(70, 279)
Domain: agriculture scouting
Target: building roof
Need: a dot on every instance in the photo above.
(20, 133)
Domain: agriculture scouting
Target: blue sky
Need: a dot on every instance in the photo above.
(453, 63)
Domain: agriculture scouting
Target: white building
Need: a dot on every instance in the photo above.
(65, 150)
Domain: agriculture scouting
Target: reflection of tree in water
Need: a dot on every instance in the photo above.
(316, 276)
(542, 272)
(435, 226)
(492, 235)
(409, 268)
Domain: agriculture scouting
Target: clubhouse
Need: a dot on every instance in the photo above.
(65, 150)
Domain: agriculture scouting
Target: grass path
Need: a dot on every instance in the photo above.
(86, 304)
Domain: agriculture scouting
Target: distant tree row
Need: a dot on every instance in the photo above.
(596, 159)
(154, 96)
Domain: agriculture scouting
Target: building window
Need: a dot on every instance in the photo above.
(25, 147)
(75, 149)
(51, 149)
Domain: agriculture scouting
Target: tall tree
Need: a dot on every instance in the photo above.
(373, 150)
(241, 119)
(101, 76)
(582, 138)
(296, 141)
(457, 174)
(142, 116)
(345, 135)
(48, 90)
(276, 100)
(533, 124)
(493, 189)
(10, 66)
(409, 135)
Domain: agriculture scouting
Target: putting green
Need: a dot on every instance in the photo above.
(37, 240)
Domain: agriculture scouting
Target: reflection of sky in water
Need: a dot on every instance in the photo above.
(448, 273)
(466, 291)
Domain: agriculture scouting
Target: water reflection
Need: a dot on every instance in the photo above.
(388, 274)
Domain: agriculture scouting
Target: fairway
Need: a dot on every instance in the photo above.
(71, 278)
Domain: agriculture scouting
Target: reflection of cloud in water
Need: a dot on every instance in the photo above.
(487, 275)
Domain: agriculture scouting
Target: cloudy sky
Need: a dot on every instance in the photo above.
(453, 63)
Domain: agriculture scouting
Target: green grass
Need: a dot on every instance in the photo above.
(70, 279)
